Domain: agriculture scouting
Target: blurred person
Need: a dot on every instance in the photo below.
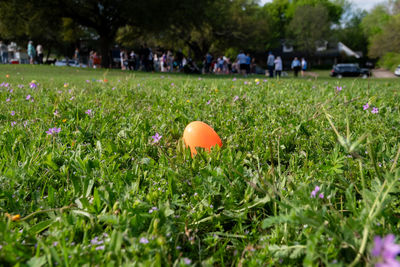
(248, 63)
(278, 67)
(123, 58)
(242, 59)
(208, 61)
(296, 66)
(96, 60)
(31, 52)
(77, 56)
(3, 53)
(90, 63)
(270, 64)
(39, 52)
(303, 66)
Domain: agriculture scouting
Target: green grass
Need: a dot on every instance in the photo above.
(102, 193)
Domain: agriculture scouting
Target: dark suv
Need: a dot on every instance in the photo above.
(349, 70)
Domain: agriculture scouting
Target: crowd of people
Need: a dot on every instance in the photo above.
(167, 61)
(275, 66)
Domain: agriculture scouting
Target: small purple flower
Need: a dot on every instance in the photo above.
(113, 88)
(153, 209)
(25, 123)
(55, 244)
(28, 97)
(245, 82)
(89, 112)
(13, 123)
(8, 100)
(32, 85)
(236, 98)
(12, 113)
(321, 196)
(339, 88)
(53, 131)
(156, 138)
(209, 102)
(375, 110)
(87, 81)
(315, 191)
(55, 112)
(72, 98)
(100, 247)
(386, 251)
(366, 106)
(187, 261)
(11, 90)
(172, 84)
(144, 240)
(234, 79)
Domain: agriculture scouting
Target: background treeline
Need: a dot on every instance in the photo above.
(198, 26)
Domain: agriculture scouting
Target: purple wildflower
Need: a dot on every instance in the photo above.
(321, 196)
(11, 90)
(339, 88)
(88, 81)
(28, 97)
(245, 82)
(53, 131)
(187, 261)
(144, 240)
(100, 247)
(8, 100)
(366, 106)
(235, 98)
(234, 79)
(32, 85)
(89, 112)
(375, 110)
(55, 112)
(386, 250)
(209, 102)
(55, 244)
(13, 123)
(315, 191)
(172, 84)
(153, 209)
(156, 138)
(12, 113)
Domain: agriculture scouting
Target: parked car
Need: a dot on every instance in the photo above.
(397, 71)
(349, 70)
(71, 63)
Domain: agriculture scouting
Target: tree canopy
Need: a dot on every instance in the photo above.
(198, 26)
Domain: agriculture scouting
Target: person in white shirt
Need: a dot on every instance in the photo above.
(39, 53)
(278, 66)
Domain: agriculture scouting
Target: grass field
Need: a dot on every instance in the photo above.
(305, 175)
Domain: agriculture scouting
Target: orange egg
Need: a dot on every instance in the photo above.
(200, 134)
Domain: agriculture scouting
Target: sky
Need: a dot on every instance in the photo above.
(364, 4)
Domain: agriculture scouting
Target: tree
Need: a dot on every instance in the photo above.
(388, 40)
(310, 24)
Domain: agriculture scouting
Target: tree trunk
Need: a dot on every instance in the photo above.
(105, 47)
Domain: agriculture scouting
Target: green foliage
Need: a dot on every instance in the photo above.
(102, 192)
(310, 24)
(390, 61)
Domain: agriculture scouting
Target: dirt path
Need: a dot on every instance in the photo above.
(382, 73)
